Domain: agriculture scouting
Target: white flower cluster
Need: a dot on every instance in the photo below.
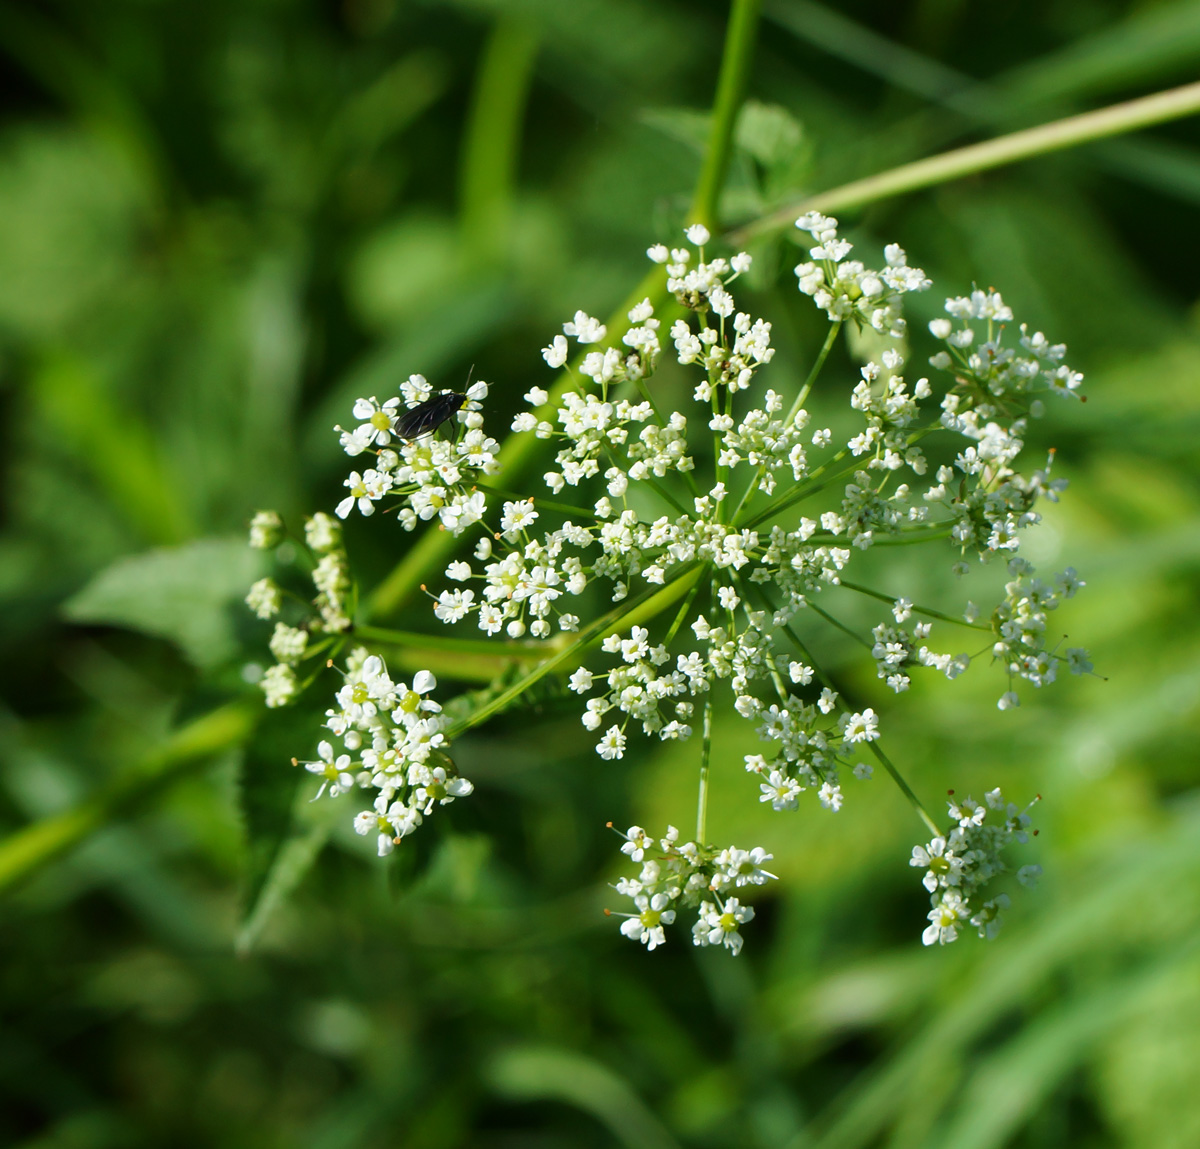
(847, 289)
(703, 507)
(685, 875)
(959, 864)
(429, 476)
(986, 364)
(290, 645)
(393, 742)
(1021, 619)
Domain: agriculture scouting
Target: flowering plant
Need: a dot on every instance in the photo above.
(673, 580)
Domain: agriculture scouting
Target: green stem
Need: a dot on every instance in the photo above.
(905, 789)
(702, 798)
(647, 604)
(453, 645)
(897, 777)
(802, 492)
(682, 615)
(925, 610)
(801, 397)
(826, 347)
(906, 538)
(1114, 120)
(839, 625)
(186, 749)
(736, 58)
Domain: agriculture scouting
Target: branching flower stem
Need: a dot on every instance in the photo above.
(886, 762)
(839, 625)
(826, 681)
(411, 638)
(648, 604)
(800, 400)
(929, 612)
(826, 347)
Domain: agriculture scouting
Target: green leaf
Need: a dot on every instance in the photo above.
(185, 594)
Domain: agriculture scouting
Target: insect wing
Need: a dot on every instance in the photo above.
(428, 416)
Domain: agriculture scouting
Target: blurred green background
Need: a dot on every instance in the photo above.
(222, 221)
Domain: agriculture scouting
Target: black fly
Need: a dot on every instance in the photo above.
(428, 416)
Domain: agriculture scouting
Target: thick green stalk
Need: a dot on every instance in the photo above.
(1070, 132)
(731, 87)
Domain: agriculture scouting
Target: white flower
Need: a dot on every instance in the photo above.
(378, 421)
(556, 354)
(584, 328)
(781, 791)
(646, 926)
(334, 772)
(862, 727)
(830, 796)
(454, 605)
(518, 515)
(581, 681)
(743, 867)
(612, 745)
(1029, 875)
(365, 489)
(637, 842)
(719, 925)
(697, 234)
(1078, 661)
(942, 867)
(946, 916)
